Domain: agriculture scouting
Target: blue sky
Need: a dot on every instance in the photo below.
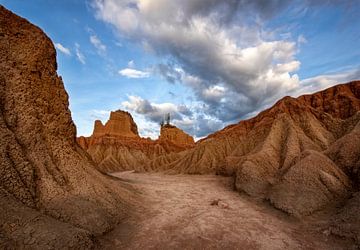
(209, 63)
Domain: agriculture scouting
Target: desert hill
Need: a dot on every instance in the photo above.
(117, 146)
(51, 195)
(302, 154)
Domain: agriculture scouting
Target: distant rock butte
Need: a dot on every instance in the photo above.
(120, 123)
(117, 146)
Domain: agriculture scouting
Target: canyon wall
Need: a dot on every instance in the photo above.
(46, 180)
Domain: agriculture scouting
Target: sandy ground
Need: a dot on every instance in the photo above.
(179, 213)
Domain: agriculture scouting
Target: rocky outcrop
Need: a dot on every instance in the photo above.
(118, 147)
(46, 180)
(120, 123)
(175, 135)
(302, 154)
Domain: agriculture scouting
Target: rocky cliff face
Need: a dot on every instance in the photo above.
(120, 123)
(117, 145)
(46, 180)
(175, 135)
(302, 154)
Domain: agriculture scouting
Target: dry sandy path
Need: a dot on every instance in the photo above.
(177, 214)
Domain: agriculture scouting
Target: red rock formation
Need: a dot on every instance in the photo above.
(46, 179)
(175, 135)
(117, 145)
(120, 123)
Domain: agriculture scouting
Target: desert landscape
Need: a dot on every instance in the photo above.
(285, 178)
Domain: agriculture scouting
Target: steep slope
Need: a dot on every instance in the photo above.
(46, 180)
(117, 146)
(292, 154)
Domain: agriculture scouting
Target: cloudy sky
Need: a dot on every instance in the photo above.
(209, 63)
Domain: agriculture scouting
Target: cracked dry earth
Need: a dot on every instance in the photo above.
(184, 212)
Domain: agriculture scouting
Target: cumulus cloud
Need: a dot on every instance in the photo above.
(155, 111)
(96, 42)
(80, 56)
(316, 83)
(231, 62)
(196, 124)
(133, 73)
(63, 49)
(235, 66)
(168, 73)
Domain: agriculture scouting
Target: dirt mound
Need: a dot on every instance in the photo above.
(118, 147)
(47, 181)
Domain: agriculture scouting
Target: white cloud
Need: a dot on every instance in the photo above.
(156, 111)
(63, 49)
(131, 64)
(100, 47)
(133, 73)
(301, 39)
(195, 123)
(251, 69)
(215, 93)
(231, 62)
(313, 84)
(79, 55)
(148, 115)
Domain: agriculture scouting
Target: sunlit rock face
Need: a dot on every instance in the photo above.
(117, 146)
(120, 123)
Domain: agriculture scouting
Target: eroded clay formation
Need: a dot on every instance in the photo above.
(302, 155)
(120, 123)
(117, 146)
(51, 195)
